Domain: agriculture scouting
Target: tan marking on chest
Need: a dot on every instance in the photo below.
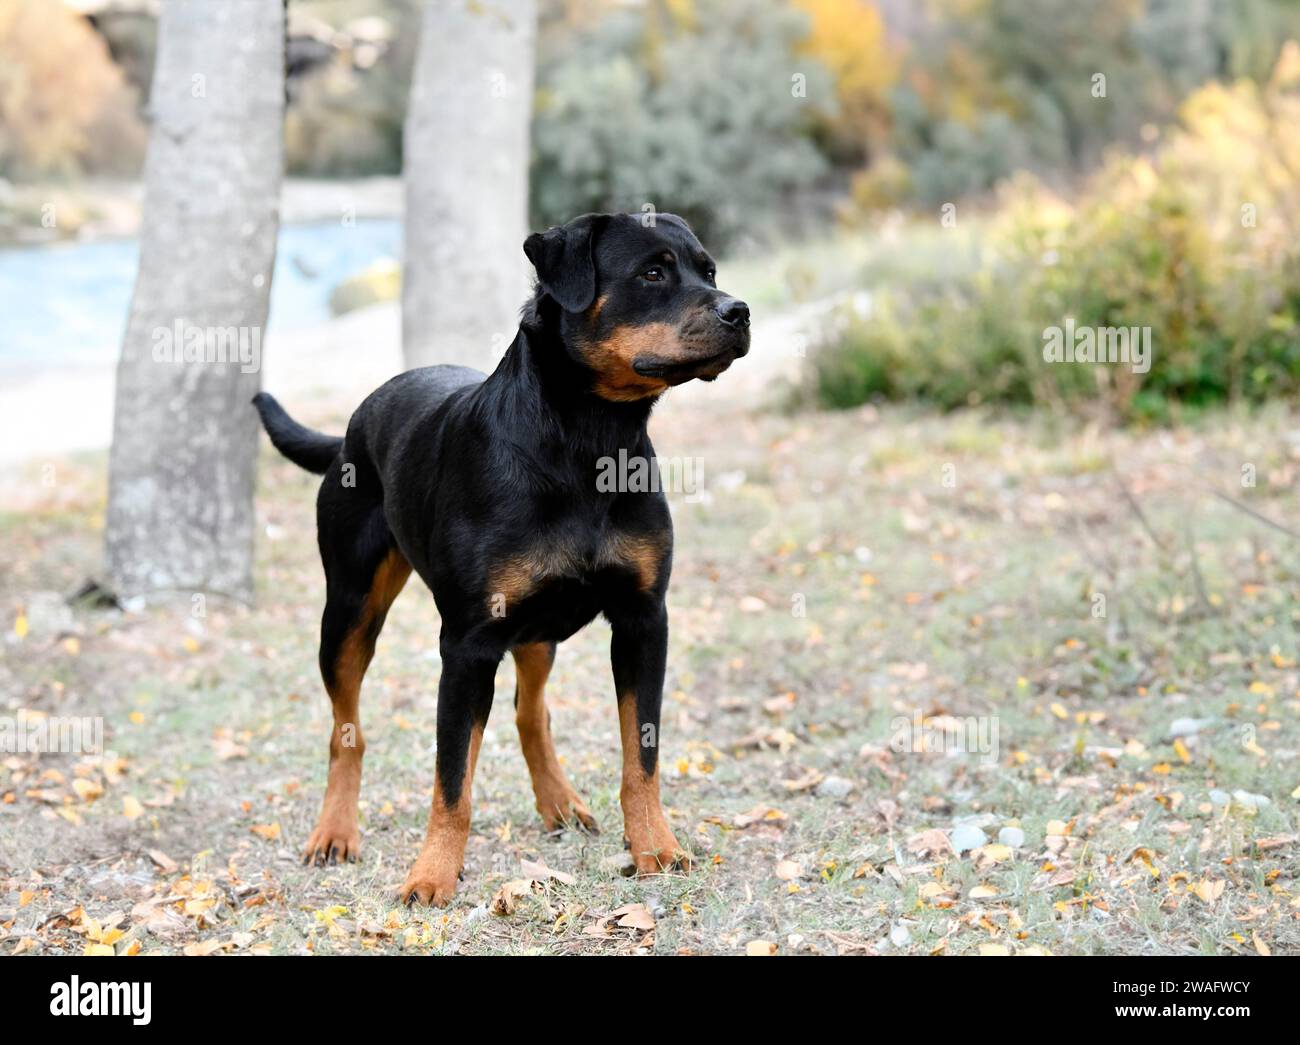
(524, 574)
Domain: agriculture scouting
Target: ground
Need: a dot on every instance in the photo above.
(1111, 641)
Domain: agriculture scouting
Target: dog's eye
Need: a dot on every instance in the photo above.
(653, 274)
(711, 275)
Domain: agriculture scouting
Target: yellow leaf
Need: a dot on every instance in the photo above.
(131, 807)
(20, 626)
(72, 644)
(1180, 749)
(1059, 711)
(996, 852)
(760, 948)
(982, 892)
(1260, 946)
(25, 897)
(271, 832)
(1056, 827)
(137, 717)
(190, 644)
(87, 790)
(98, 950)
(1208, 891)
(131, 949)
(993, 950)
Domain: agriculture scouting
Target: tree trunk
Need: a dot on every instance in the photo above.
(466, 165)
(181, 470)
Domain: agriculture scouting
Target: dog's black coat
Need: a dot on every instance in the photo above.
(472, 478)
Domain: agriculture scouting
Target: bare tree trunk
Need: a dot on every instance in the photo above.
(181, 472)
(466, 165)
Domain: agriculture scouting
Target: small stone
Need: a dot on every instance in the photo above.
(834, 787)
(1250, 800)
(49, 616)
(967, 837)
(1219, 798)
(899, 936)
(620, 864)
(1012, 836)
(476, 915)
(975, 820)
(1188, 727)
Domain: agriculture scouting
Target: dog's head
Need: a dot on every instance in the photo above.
(640, 307)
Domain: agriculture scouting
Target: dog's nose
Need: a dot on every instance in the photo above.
(732, 312)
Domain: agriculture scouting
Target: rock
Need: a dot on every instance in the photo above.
(967, 837)
(1012, 836)
(1188, 727)
(899, 936)
(476, 915)
(975, 820)
(1250, 800)
(620, 863)
(49, 616)
(1219, 798)
(382, 281)
(833, 787)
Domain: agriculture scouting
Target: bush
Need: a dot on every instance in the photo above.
(696, 115)
(65, 108)
(1196, 243)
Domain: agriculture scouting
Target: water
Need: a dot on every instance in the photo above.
(67, 303)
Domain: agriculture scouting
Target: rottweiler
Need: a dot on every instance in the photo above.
(486, 487)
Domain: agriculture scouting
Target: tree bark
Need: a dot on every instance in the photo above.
(466, 167)
(181, 469)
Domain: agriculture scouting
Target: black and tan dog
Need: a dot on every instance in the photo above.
(487, 488)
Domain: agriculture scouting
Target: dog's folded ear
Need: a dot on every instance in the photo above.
(562, 256)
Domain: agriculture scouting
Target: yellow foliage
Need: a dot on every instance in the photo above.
(849, 38)
(64, 105)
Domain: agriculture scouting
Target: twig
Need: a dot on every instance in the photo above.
(1137, 510)
(1256, 515)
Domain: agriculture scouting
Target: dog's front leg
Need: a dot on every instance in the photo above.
(639, 651)
(464, 701)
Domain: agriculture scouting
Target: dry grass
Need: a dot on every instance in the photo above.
(973, 598)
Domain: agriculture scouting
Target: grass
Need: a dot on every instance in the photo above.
(846, 572)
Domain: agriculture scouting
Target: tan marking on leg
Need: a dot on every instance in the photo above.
(433, 876)
(653, 845)
(557, 801)
(336, 835)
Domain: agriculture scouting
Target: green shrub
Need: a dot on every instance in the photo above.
(1196, 243)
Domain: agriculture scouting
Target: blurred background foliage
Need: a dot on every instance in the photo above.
(772, 122)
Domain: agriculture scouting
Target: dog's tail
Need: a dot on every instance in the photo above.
(307, 449)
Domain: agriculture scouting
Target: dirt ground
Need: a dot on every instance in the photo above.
(895, 635)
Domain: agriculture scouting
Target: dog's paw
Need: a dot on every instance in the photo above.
(432, 881)
(659, 853)
(333, 842)
(566, 810)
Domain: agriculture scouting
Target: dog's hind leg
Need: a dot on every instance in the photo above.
(557, 801)
(364, 572)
